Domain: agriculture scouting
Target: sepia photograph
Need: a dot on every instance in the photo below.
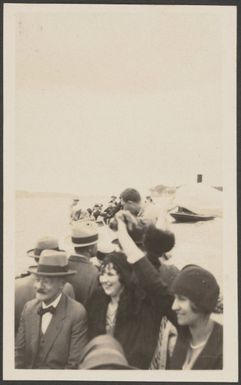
(120, 206)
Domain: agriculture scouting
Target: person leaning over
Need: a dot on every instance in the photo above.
(24, 286)
(53, 327)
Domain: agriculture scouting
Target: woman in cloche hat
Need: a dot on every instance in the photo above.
(200, 339)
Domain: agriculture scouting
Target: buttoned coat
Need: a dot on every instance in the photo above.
(65, 337)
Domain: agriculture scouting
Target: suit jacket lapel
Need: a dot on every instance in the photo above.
(55, 325)
(34, 325)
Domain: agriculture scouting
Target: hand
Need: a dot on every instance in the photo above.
(129, 219)
(120, 219)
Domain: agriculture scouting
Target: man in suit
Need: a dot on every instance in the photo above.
(24, 286)
(83, 243)
(53, 328)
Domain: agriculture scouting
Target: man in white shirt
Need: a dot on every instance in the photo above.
(53, 329)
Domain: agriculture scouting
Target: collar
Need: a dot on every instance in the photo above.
(54, 303)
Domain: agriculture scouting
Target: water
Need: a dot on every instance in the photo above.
(199, 243)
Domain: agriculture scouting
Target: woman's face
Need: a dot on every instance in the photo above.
(183, 307)
(109, 280)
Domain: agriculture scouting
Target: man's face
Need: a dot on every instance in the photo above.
(48, 288)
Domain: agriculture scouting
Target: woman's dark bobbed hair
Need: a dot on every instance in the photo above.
(119, 262)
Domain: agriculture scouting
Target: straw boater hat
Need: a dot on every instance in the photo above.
(43, 243)
(83, 233)
(53, 264)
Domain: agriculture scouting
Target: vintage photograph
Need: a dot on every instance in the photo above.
(120, 218)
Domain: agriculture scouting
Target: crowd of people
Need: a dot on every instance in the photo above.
(97, 213)
(109, 298)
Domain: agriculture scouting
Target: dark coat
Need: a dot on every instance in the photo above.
(211, 357)
(24, 292)
(86, 279)
(139, 315)
(65, 337)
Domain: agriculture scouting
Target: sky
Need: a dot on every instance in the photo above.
(109, 97)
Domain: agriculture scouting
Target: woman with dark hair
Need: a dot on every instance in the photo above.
(120, 308)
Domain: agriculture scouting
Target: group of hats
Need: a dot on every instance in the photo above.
(52, 260)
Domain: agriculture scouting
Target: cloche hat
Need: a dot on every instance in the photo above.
(198, 285)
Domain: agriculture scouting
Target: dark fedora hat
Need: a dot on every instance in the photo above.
(43, 243)
(52, 263)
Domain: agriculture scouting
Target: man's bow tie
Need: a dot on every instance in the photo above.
(49, 309)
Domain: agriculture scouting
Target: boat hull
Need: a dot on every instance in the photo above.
(183, 217)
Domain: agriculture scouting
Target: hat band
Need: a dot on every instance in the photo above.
(37, 251)
(81, 241)
(52, 269)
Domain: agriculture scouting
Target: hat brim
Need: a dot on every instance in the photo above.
(33, 270)
(68, 241)
(31, 253)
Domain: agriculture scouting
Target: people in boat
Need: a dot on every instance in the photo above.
(112, 208)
